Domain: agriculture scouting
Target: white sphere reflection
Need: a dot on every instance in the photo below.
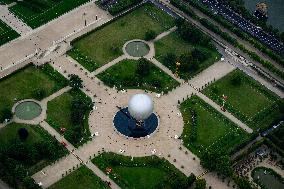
(140, 106)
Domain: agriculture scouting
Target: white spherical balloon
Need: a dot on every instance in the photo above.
(140, 106)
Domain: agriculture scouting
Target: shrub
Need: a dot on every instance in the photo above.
(143, 67)
(150, 35)
(5, 114)
(23, 134)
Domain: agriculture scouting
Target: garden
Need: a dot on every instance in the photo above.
(189, 47)
(28, 83)
(206, 129)
(37, 12)
(141, 172)
(25, 150)
(71, 119)
(82, 178)
(247, 100)
(140, 74)
(104, 44)
(6, 33)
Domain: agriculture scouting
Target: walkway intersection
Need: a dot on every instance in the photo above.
(106, 99)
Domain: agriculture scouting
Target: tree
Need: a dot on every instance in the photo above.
(188, 64)
(243, 183)
(143, 67)
(5, 114)
(29, 183)
(39, 94)
(216, 160)
(170, 60)
(199, 55)
(150, 35)
(23, 134)
(200, 184)
(75, 81)
(236, 80)
(191, 179)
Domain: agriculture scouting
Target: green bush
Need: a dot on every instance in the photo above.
(150, 35)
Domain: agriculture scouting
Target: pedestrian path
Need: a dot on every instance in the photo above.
(108, 65)
(14, 22)
(53, 173)
(56, 94)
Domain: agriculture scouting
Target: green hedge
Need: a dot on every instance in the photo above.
(174, 178)
(8, 33)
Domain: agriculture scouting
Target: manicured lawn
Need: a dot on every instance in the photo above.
(212, 130)
(82, 178)
(6, 33)
(135, 176)
(25, 84)
(123, 75)
(38, 12)
(105, 44)
(142, 172)
(249, 101)
(176, 45)
(61, 117)
(37, 135)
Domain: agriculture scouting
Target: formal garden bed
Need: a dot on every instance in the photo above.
(104, 44)
(194, 57)
(247, 100)
(82, 178)
(37, 12)
(6, 33)
(205, 128)
(142, 172)
(71, 119)
(141, 74)
(28, 83)
(25, 150)
(267, 178)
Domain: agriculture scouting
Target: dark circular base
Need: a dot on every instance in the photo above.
(127, 125)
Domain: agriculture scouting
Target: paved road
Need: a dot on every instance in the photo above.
(220, 41)
(245, 25)
(247, 44)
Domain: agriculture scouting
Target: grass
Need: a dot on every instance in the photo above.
(6, 33)
(140, 172)
(172, 43)
(105, 44)
(36, 134)
(24, 83)
(123, 75)
(249, 101)
(37, 14)
(140, 177)
(61, 117)
(82, 178)
(212, 129)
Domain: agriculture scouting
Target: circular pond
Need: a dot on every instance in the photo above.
(137, 48)
(267, 178)
(126, 125)
(28, 110)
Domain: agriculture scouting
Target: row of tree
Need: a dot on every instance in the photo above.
(17, 155)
